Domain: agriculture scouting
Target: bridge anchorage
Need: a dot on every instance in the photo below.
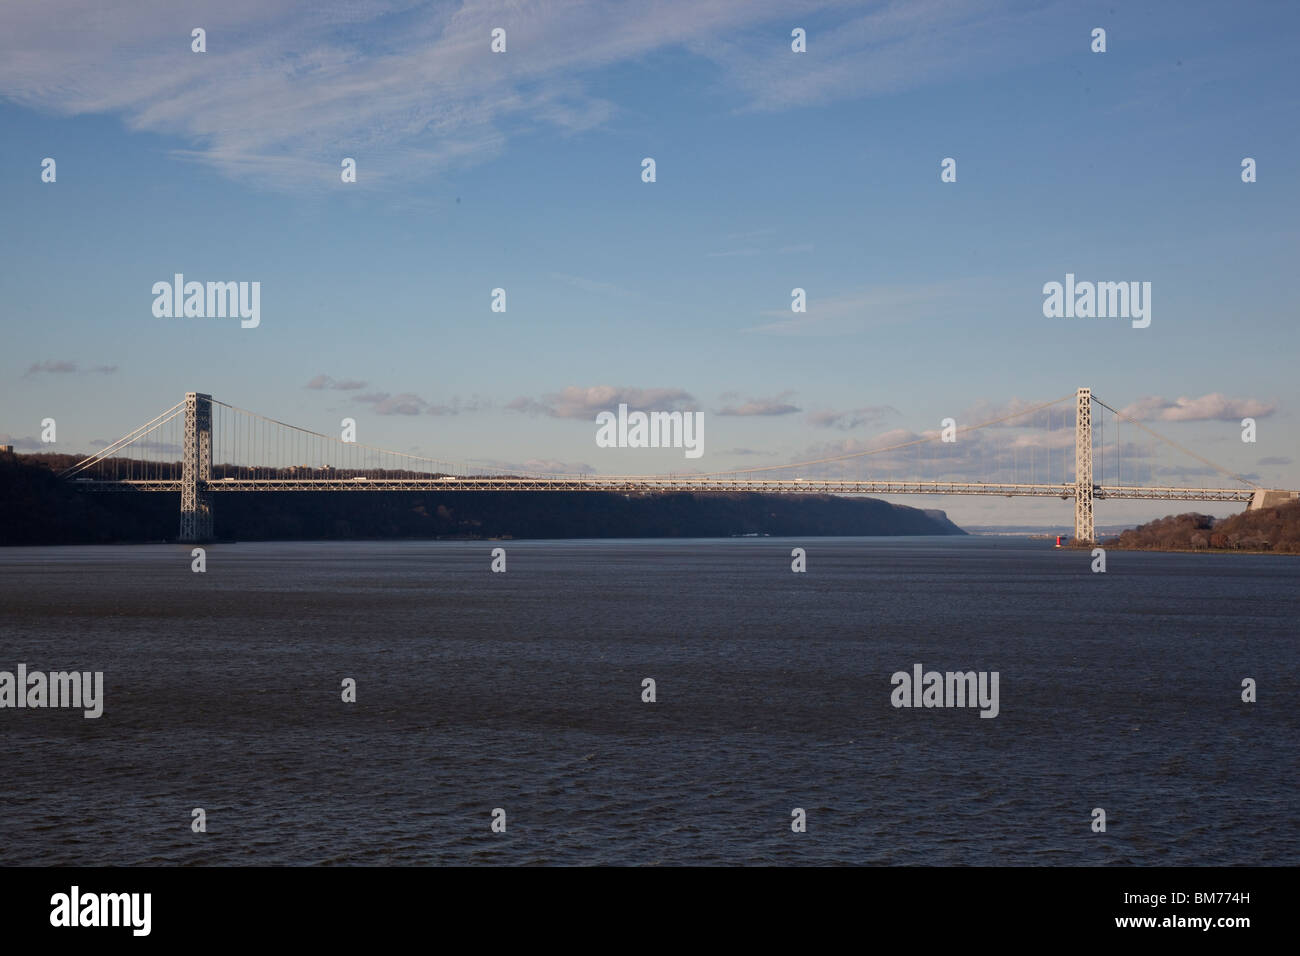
(262, 454)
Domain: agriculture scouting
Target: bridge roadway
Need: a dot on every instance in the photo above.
(635, 484)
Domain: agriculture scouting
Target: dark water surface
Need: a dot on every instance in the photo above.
(523, 691)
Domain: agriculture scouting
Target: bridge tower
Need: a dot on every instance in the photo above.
(196, 505)
(1083, 526)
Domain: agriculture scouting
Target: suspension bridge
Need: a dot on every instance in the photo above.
(223, 448)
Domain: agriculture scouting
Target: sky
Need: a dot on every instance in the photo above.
(774, 170)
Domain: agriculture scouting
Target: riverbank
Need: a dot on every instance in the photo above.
(37, 508)
(1265, 531)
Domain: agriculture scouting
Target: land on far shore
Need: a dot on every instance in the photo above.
(1270, 530)
(36, 507)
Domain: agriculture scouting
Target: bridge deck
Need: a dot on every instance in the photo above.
(644, 484)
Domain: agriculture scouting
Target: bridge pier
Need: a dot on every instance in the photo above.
(1084, 530)
(196, 467)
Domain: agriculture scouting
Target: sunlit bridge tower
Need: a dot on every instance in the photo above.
(196, 505)
(1083, 528)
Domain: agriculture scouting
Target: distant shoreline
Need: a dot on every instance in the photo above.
(1268, 530)
(36, 507)
(1116, 547)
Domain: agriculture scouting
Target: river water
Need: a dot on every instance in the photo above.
(523, 691)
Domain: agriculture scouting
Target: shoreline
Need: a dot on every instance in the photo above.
(1290, 554)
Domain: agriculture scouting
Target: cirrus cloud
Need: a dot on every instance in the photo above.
(414, 88)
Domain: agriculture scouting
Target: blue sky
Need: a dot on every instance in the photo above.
(775, 170)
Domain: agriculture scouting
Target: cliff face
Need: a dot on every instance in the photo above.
(37, 508)
(1268, 529)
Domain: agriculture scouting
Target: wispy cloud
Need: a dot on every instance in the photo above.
(340, 385)
(577, 402)
(410, 89)
(856, 312)
(458, 406)
(852, 418)
(539, 466)
(982, 454)
(408, 403)
(881, 48)
(26, 443)
(758, 242)
(1018, 414)
(778, 405)
(403, 404)
(61, 367)
(1186, 472)
(1212, 407)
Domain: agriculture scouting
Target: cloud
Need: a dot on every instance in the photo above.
(1060, 438)
(986, 454)
(851, 419)
(341, 385)
(536, 466)
(585, 403)
(286, 89)
(1275, 460)
(889, 48)
(1212, 407)
(63, 367)
(1186, 471)
(761, 407)
(26, 443)
(1016, 411)
(408, 403)
(53, 367)
(759, 242)
(403, 404)
(456, 406)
